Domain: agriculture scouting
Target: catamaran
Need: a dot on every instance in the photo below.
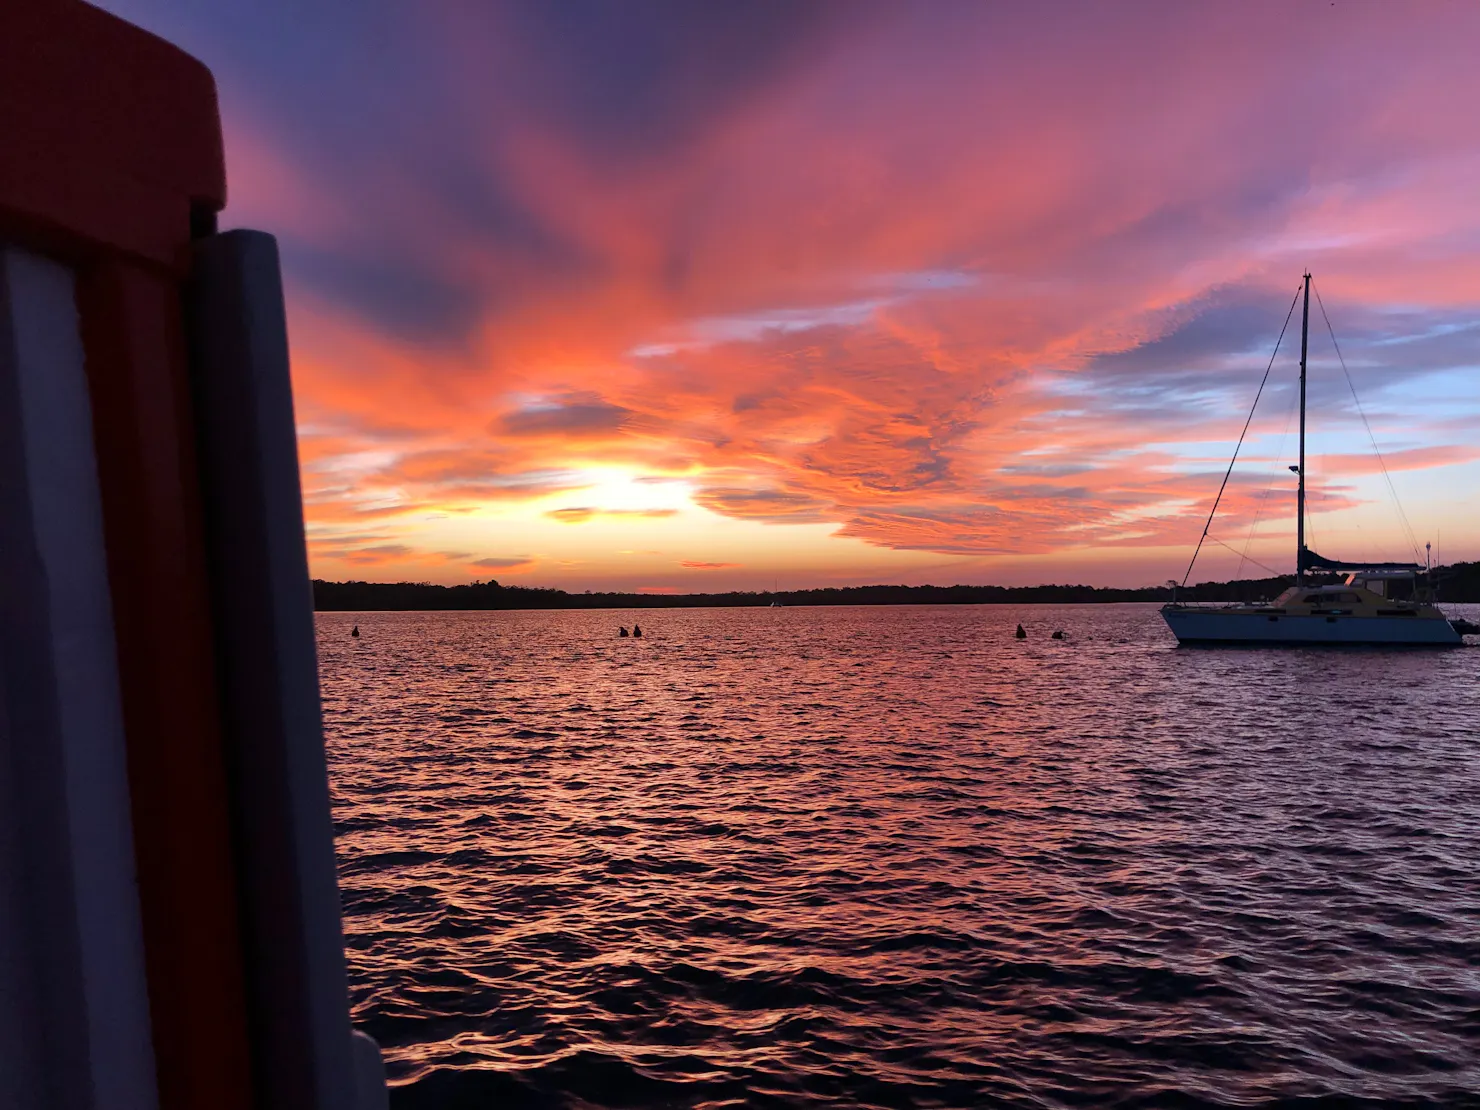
(1380, 603)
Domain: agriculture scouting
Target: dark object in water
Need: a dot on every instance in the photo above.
(637, 631)
(1466, 628)
(355, 632)
(622, 631)
(1059, 635)
(1021, 635)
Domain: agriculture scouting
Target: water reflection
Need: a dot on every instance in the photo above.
(895, 856)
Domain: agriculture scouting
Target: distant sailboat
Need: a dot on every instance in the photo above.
(1360, 611)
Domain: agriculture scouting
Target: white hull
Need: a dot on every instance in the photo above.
(1232, 626)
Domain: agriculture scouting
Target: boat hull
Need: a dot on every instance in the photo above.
(1225, 626)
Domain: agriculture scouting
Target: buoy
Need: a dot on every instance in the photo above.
(355, 632)
(1059, 635)
(1021, 635)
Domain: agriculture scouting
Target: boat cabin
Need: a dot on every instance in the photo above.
(1367, 593)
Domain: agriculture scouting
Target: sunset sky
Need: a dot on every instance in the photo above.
(708, 296)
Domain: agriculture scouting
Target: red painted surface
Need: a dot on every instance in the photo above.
(110, 137)
(110, 134)
(136, 368)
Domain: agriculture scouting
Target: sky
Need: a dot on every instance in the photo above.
(672, 296)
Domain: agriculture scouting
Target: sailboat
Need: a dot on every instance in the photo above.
(1378, 604)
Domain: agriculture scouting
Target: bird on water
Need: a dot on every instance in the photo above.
(1021, 635)
(622, 631)
(355, 632)
(637, 631)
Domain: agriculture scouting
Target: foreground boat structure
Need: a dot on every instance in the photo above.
(1379, 604)
(170, 934)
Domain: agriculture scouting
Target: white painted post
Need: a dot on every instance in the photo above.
(74, 1024)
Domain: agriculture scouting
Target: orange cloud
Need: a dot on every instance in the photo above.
(581, 514)
(511, 563)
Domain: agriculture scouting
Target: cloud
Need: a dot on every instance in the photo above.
(589, 416)
(379, 553)
(688, 565)
(772, 506)
(408, 297)
(1413, 458)
(970, 280)
(504, 563)
(582, 514)
(643, 80)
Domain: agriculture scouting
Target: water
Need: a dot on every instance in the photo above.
(893, 857)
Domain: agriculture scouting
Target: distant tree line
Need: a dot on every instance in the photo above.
(1460, 582)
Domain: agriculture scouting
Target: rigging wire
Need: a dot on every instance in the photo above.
(1250, 558)
(1239, 446)
(1402, 516)
(1279, 457)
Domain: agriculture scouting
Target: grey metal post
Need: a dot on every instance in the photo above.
(304, 1055)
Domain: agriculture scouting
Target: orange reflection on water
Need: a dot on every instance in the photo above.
(872, 855)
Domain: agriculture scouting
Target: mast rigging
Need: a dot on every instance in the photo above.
(1300, 496)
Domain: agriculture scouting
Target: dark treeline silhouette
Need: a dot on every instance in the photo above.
(1460, 582)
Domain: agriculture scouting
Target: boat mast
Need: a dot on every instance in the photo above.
(1300, 496)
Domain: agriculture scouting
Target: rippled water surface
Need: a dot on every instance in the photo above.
(893, 857)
